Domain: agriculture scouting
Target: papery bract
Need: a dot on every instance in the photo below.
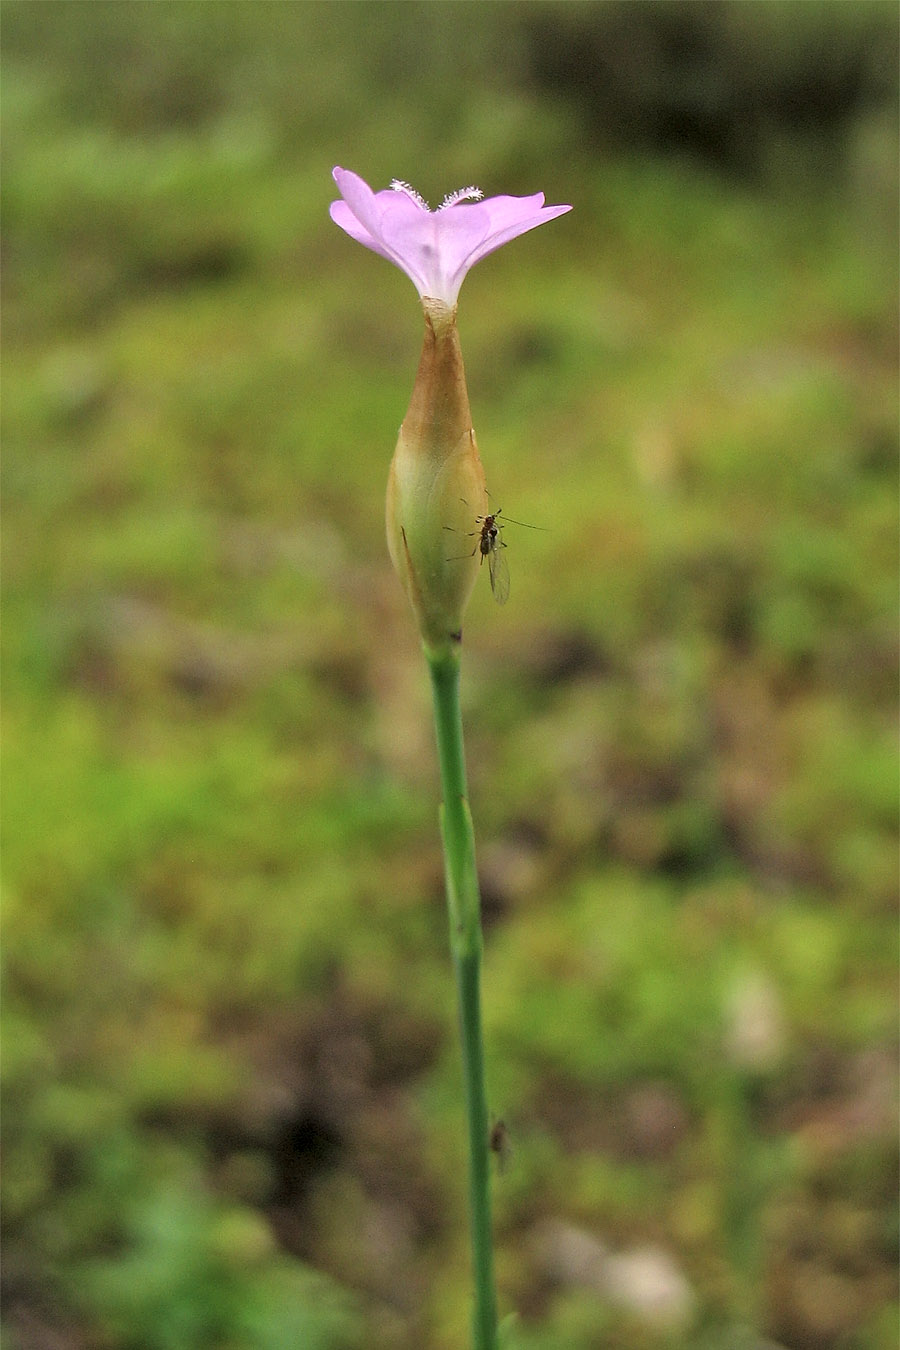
(434, 248)
(436, 488)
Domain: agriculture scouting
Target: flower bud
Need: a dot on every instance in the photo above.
(436, 487)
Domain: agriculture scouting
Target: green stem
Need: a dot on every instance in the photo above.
(465, 940)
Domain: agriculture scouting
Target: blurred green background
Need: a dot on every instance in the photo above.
(231, 1084)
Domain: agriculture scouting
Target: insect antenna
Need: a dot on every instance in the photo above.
(508, 520)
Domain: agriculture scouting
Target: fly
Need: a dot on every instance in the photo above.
(499, 1145)
(490, 545)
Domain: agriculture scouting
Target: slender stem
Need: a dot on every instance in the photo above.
(465, 940)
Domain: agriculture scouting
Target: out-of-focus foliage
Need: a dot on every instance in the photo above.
(753, 86)
(230, 1081)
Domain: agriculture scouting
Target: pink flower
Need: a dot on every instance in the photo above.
(434, 248)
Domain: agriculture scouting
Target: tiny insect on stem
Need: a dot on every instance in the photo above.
(489, 543)
(499, 1145)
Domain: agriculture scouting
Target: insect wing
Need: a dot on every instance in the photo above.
(499, 571)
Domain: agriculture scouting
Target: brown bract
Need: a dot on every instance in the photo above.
(436, 487)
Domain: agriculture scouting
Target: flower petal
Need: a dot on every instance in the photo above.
(514, 228)
(381, 221)
(342, 215)
(434, 248)
(361, 200)
(507, 210)
(441, 248)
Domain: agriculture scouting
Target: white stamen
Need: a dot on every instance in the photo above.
(399, 186)
(469, 194)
